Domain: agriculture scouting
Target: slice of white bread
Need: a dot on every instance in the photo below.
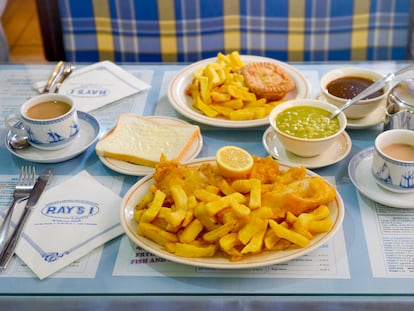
(142, 141)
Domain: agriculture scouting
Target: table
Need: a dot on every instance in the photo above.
(352, 285)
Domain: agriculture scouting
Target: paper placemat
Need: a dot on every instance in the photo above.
(69, 221)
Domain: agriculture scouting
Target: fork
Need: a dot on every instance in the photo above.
(24, 186)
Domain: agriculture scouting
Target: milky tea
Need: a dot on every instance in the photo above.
(48, 110)
(400, 151)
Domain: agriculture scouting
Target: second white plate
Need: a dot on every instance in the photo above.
(183, 103)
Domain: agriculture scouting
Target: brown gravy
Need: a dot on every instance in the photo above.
(48, 110)
(349, 87)
(404, 152)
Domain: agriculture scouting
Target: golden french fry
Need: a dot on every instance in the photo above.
(255, 200)
(288, 234)
(200, 211)
(154, 207)
(318, 226)
(250, 229)
(216, 234)
(228, 243)
(179, 196)
(146, 199)
(219, 97)
(156, 234)
(256, 242)
(205, 108)
(270, 239)
(215, 206)
(240, 210)
(206, 196)
(195, 251)
(242, 114)
(191, 231)
(321, 212)
(233, 104)
(138, 214)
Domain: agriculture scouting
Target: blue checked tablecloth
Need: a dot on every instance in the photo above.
(190, 30)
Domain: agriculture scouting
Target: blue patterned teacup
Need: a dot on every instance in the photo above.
(393, 160)
(49, 121)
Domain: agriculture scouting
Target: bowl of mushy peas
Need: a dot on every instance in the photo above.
(303, 126)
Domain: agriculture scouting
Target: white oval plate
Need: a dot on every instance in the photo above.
(335, 153)
(183, 103)
(140, 170)
(359, 170)
(137, 191)
(89, 129)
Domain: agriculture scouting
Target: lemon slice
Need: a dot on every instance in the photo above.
(234, 162)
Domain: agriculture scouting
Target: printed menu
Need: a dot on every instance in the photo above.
(389, 233)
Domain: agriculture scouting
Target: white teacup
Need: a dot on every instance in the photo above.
(393, 160)
(49, 121)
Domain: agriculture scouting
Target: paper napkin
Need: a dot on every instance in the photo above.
(97, 85)
(69, 221)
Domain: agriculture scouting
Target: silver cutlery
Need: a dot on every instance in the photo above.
(9, 248)
(66, 72)
(53, 78)
(24, 186)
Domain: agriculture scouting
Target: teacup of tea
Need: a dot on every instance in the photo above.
(49, 121)
(393, 160)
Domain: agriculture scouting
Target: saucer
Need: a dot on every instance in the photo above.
(335, 153)
(359, 170)
(89, 129)
(140, 170)
(374, 118)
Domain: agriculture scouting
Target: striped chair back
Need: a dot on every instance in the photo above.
(190, 30)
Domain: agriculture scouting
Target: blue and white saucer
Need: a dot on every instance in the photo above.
(87, 136)
(359, 170)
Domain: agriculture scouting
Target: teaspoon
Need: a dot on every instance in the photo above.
(17, 141)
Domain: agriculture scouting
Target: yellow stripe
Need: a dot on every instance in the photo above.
(296, 30)
(103, 30)
(360, 29)
(231, 21)
(168, 34)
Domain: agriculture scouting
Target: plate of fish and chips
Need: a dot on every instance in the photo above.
(138, 193)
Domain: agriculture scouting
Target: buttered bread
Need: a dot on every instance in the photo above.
(142, 141)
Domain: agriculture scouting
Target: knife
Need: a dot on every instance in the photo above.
(53, 76)
(36, 193)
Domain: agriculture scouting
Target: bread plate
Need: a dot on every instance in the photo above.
(140, 170)
(183, 103)
(137, 191)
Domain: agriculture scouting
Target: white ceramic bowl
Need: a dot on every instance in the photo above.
(363, 107)
(304, 147)
(390, 172)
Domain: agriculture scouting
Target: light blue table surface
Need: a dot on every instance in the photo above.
(207, 293)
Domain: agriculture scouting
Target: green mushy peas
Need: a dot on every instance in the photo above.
(307, 122)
